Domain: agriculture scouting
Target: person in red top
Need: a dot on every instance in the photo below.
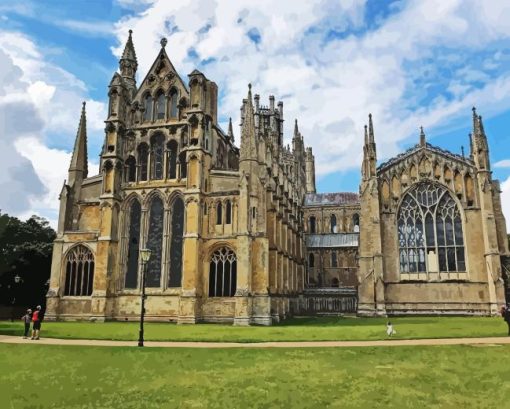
(36, 323)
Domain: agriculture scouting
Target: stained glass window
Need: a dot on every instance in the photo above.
(79, 272)
(133, 245)
(160, 106)
(157, 156)
(223, 273)
(175, 274)
(173, 103)
(154, 242)
(430, 231)
(143, 157)
(147, 114)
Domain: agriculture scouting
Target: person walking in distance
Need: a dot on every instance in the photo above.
(390, 331)
(27, 318)
(36, 323)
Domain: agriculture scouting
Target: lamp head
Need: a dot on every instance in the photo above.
(145, 255)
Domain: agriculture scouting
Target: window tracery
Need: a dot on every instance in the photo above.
(157, 156)
(223, 273)
(155, 242)
(80, 265)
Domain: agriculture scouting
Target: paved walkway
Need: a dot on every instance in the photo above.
(492, 341)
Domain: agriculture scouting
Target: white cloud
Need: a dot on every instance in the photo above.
(505, 201)
(332, 83)
(505, 163)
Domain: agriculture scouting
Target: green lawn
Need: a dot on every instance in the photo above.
(41, 376)
(298, 329)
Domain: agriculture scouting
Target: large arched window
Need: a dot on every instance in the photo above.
(171, 159)
(131, 169)
(133, 245)
(430, 231)
(155, 242)
(147, 104)
(174, 112)
(79, 272)
(175, 274)
(333, 223)
(160, 105)
(157, 157)
(143, 158)
(223, 273)
(312, 224)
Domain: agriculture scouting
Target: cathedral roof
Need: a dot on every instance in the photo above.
(338, 198)
(416, 148)
(332, 240)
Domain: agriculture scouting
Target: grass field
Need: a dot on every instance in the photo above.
(39, 376)
(298, 329)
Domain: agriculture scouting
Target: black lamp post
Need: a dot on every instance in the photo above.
(145, 255)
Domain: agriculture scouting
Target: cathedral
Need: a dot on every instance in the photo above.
(240, 235)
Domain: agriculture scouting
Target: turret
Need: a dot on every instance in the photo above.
(230, 130)
(128, 64)
(369, 152)
(480, 147)
(310, 171)
(248, 137)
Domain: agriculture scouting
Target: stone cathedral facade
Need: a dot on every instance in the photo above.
(223, 223)
(239, 234)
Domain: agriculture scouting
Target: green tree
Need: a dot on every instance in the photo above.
(25, 260)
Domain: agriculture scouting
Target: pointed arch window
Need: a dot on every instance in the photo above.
(183, 165)
(147, 104)
(175, 274)
(160, 105)
(223, 273)
(171, 159)
(131, 169)
(333, 223)
(334, 261)
(80, 265)
(311, 260)
(355, 223)
(430, 231)
(219, 213)
(174, 110)
(228, 212)
(155, 242)
(157, 156)
(143, 158)
(311, 222)
(135, 212)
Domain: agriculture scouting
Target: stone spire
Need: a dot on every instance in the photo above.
(128, 63)
(423, 140)
(230, 130)
(248, 141)
(296, 129)
(370, 129)
(79, 160)
(366, 135)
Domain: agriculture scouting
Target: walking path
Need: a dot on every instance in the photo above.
(491, 341)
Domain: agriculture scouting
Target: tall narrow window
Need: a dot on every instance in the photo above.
(334, 262)
(430, 231)
(355, 223)
(175, 276)
(228, 212)
(131, 169)
(147, 104)
(79, 272)
(171, 159)
(133, 245)
(143, 158)
(157, 156)
(312, 224)
(184, 165)
(160, 106)
(223, 273)
(333, 223)
(219, 213)
(155, 242)
(311, 260)
(174, 112)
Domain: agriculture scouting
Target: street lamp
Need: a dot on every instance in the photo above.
(145, 255)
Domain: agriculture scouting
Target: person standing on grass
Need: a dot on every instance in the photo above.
(36, 320)
(506, 316)
(27, 318)
(390, 330)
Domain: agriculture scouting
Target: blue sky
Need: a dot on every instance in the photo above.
(409, 63)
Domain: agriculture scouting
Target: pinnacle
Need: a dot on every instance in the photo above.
(129, 49)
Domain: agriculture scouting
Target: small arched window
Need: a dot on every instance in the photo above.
(219, 213)
(334, 262)
(143, 157)
(157, 156)
(174, 111)
(333, 223)
(311, 260)
(355, 223)
(312, 224)
(228, 212)
(223, 273)
(131, 169)
(147, 104)
(79, 272)
(184, 165)
(160, 105)
(171, 159)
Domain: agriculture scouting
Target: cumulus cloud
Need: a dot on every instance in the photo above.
(505, 163)
(331, 70)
